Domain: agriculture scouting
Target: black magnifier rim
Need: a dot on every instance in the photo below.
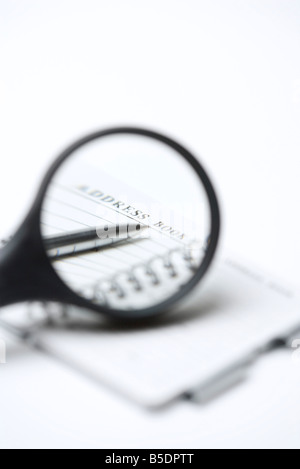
(159, 308)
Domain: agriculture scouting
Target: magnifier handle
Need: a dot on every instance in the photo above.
(25, 273)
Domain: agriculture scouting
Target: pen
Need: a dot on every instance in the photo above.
(92, 239)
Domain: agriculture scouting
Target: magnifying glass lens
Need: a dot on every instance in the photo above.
(127, 222)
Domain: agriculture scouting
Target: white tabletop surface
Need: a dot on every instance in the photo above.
(222, 77)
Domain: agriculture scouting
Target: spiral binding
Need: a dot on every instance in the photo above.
(102, 292)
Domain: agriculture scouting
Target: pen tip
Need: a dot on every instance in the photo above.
(138, 227)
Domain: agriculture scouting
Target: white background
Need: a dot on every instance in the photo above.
(221, 76)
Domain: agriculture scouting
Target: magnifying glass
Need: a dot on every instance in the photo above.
(126, 223)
